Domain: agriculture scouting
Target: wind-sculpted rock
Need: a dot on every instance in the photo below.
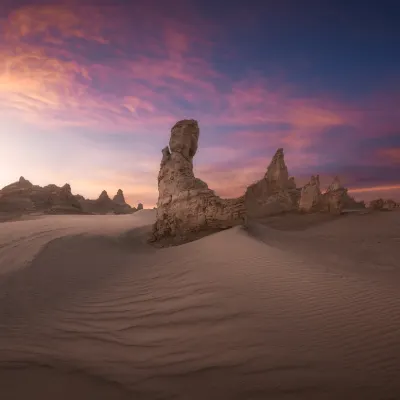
(140, 206)
(185, 203)
(273, 194)
(311, 197)
(333, 199)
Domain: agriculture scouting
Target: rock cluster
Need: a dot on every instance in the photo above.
(334, 200)
(23, 197)
(185, 203)
(274, 193)
(105, 205)
(383, 204)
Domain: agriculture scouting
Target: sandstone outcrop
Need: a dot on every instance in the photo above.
(185, 203)
(140, 206)
(274, 193)
(23, 197)
(333, 199)
(311, 196)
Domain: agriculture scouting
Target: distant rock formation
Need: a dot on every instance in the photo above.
(185, 203)
(311, 196)
(383, 205)
(333, 200)
(23, 197)
(104, 205)
(140, 206)
(275, 193)
(119, 198)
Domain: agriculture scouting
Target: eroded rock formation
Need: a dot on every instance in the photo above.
(273, 194)
(310, 197)
(104, 205)
(119, 198)
(23, 197)
(185, 203)
(333, 200)
(140, 206)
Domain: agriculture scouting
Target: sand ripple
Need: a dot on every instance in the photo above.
(226, 317)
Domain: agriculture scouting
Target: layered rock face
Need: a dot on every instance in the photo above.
(16, 197)
(311, 197)
(185, 203)
(275, 193)
(23, 197)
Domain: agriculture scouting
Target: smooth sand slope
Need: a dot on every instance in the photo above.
(268, 312)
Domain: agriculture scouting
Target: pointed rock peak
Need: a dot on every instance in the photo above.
(66, 188)
(279, 153)
(24, 182)
(103, 195)
(119, 197)
(277, 171)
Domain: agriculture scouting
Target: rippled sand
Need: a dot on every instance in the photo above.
(89, 311)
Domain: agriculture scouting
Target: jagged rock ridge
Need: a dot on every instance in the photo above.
(22, 197)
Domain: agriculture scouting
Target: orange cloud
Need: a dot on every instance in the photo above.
(375, 189)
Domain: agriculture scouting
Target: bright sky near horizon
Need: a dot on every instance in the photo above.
(89, 91)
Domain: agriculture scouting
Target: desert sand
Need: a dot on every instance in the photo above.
(294, 307)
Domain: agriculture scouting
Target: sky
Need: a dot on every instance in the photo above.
(90, 90)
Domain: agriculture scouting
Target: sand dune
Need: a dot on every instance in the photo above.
(88, 310)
